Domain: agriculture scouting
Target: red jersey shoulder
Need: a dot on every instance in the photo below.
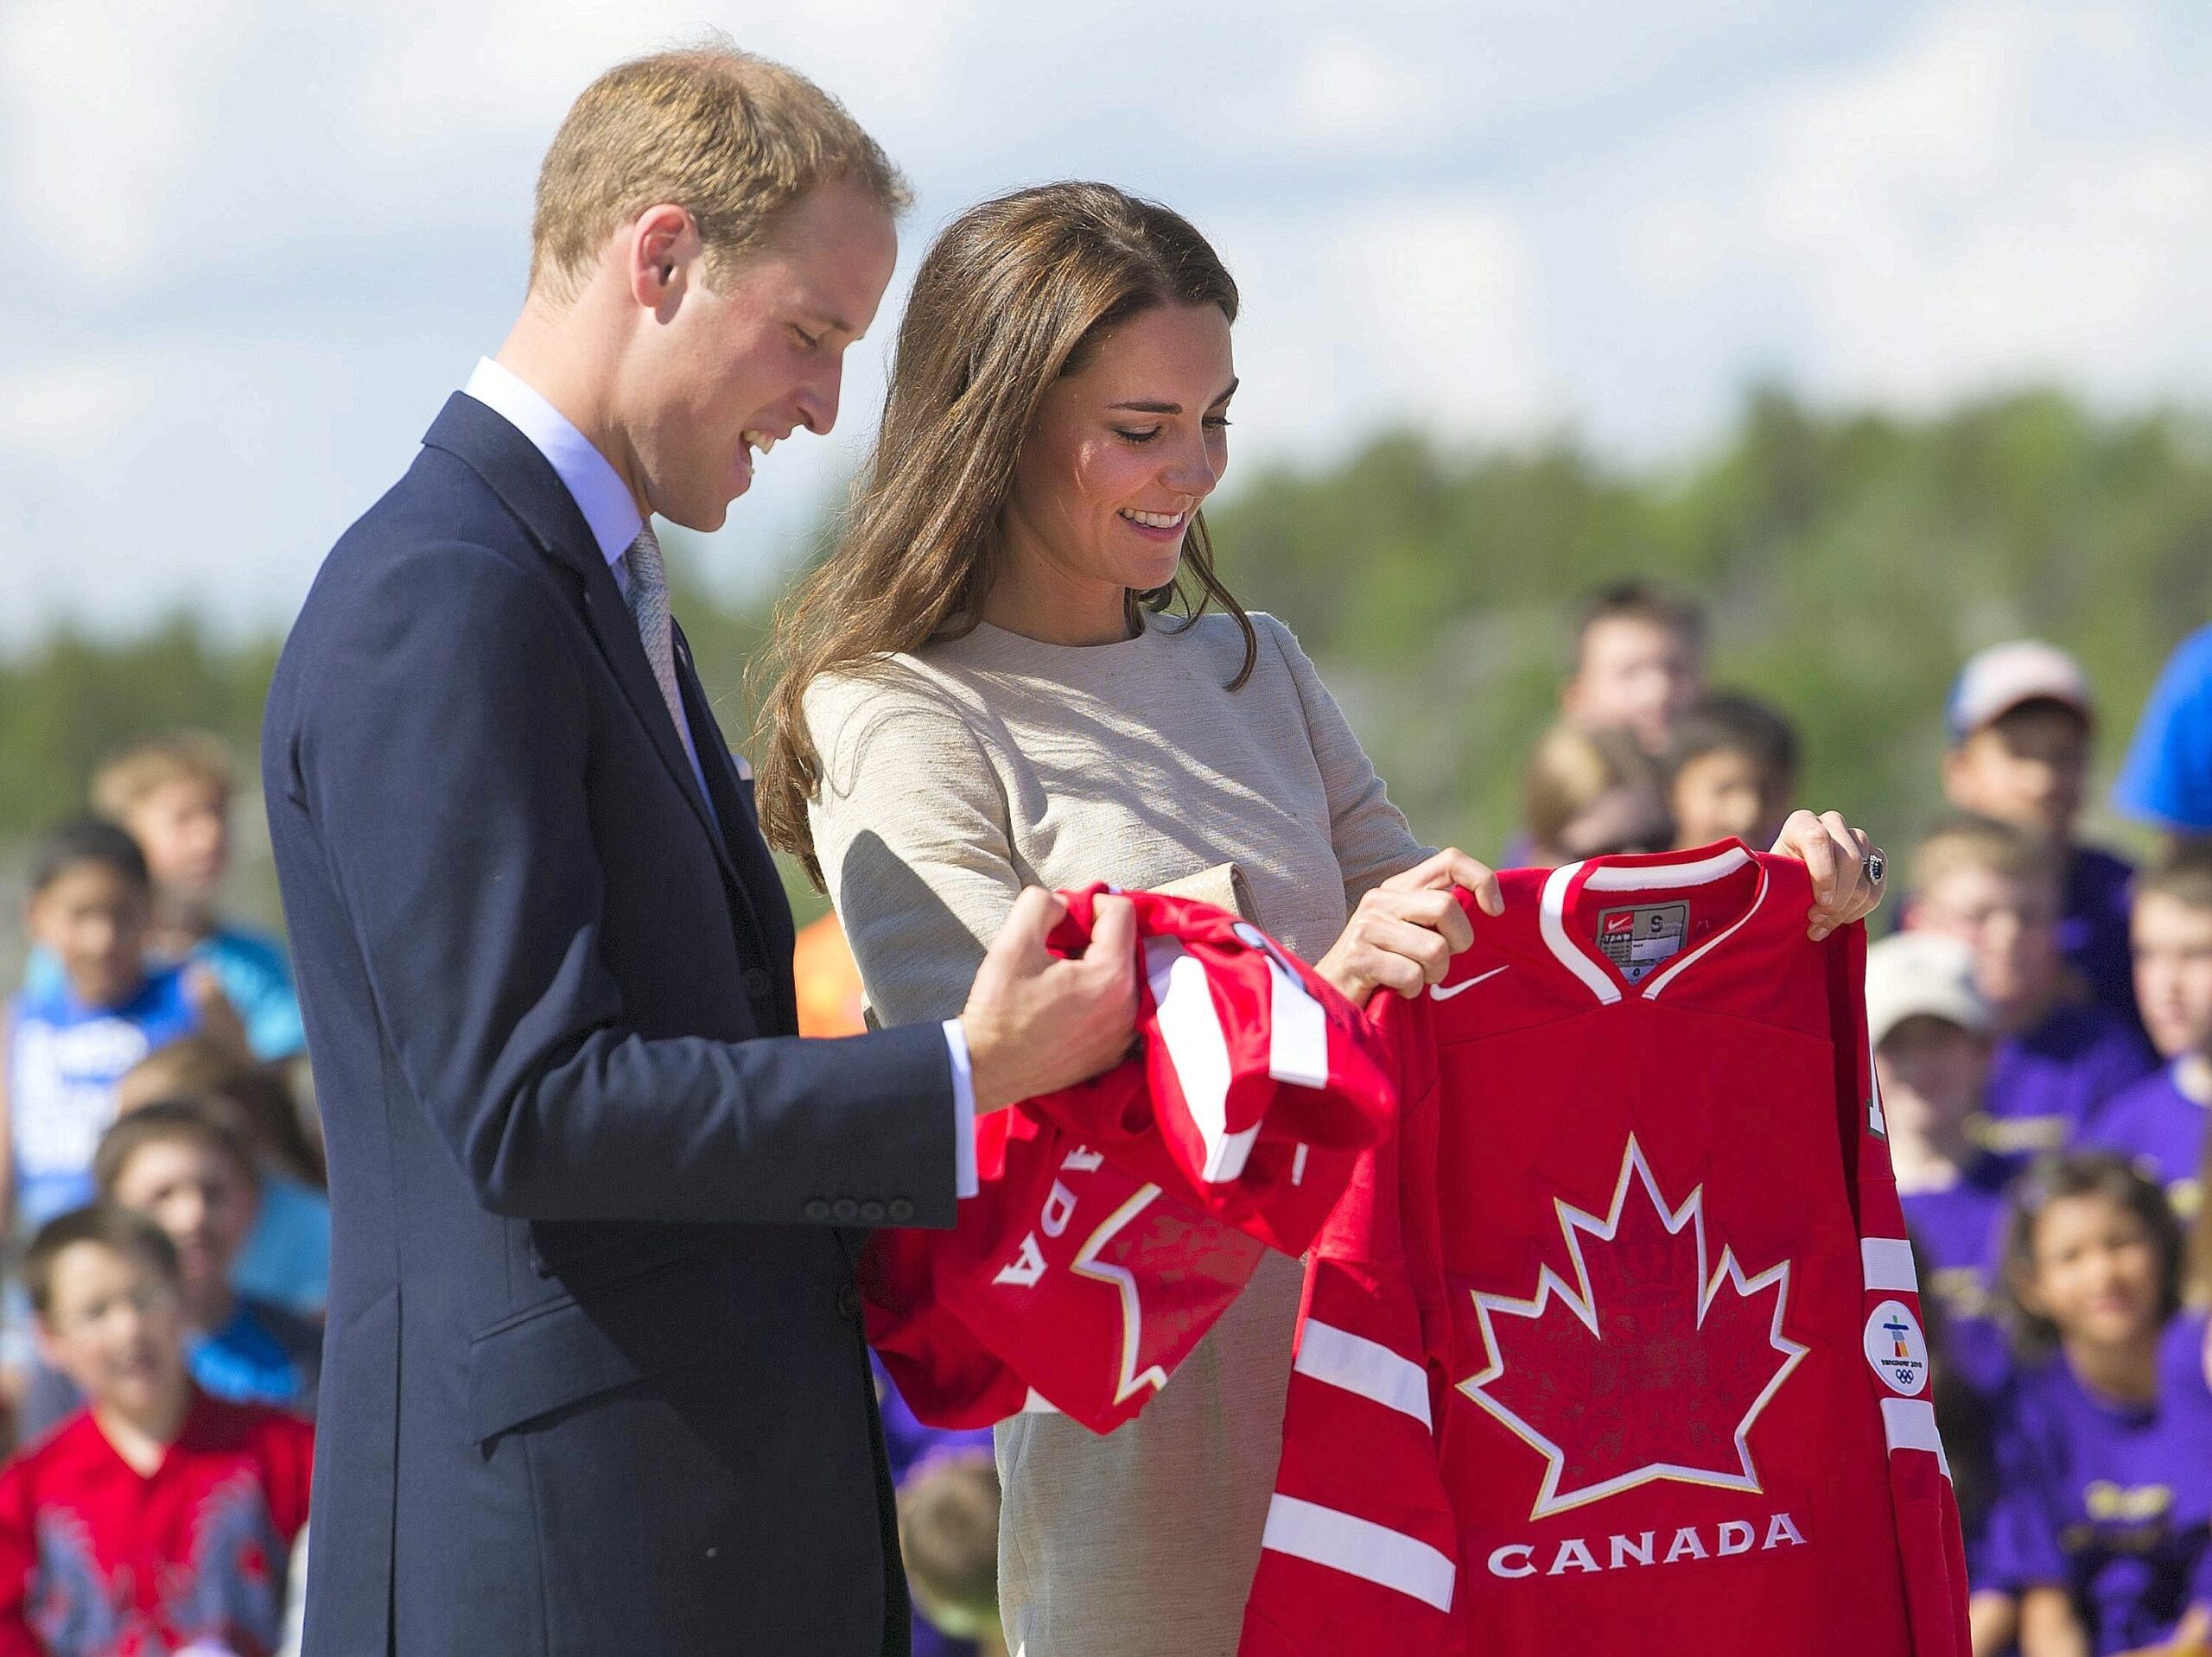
(1719, 931)
(65, 1446)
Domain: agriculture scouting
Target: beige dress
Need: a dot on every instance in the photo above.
(987, 763)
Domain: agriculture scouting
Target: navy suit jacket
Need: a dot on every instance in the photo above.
(595, 1379)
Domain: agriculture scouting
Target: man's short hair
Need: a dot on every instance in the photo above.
(88, 839)
(1640, 601)
(1731, 722)
(1975, 843)
(125, 777)
(731, 138)
(2184, 875)
(171, 1121)
(119, 1229)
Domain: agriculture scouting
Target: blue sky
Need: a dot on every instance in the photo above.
(251, 243)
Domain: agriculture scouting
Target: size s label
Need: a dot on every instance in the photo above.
(1636, 937)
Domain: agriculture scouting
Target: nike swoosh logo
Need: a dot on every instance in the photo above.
(1442, 993)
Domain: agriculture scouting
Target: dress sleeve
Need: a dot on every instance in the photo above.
(911, 828)
(2167, 778)
(1370, 833)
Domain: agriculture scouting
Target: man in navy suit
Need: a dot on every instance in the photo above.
(594, 1378)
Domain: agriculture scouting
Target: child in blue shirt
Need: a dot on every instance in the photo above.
(183, 1166)
(2159, 1123)
(2060, 1054)
(2102, 1519)
(97, 1013)
(286, 1259)
(173, 794)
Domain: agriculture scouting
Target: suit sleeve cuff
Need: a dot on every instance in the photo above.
(963, 1110)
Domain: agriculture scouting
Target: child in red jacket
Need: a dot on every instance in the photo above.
(156, 1518)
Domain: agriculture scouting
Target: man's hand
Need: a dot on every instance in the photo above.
(1836, 855)
(1035, 1024)
(1404, 933)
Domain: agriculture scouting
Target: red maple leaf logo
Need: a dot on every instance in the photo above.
(1175, 1271)
(1645, 1368)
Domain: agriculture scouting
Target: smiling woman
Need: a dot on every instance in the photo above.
(1007, 676)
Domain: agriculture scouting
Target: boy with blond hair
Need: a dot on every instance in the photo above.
(2060, 1055)
(2158, 1124)
(173, 794)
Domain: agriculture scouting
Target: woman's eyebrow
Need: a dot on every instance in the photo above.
(1145, 406)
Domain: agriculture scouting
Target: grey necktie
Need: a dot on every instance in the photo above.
(648, 601)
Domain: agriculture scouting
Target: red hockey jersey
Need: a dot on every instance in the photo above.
(1095, 1254)
(1616, 1346)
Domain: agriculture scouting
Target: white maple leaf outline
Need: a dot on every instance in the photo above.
(1087, 1264)
(1580, 1301)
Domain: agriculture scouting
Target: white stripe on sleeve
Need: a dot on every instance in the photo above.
(1909, 1424)
(1298, 1037)
(1360, 1548)
(1368, 1368)
(1298, 1029)
(1887, 1262)
(1199, 1049)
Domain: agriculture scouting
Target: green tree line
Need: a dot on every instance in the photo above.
(1848, 561)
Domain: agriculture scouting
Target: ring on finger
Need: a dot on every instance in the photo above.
(1874, 865)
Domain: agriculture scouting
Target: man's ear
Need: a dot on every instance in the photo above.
(657, 250)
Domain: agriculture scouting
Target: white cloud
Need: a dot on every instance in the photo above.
(107, 108)
(1411, 310)
(1346, 88)
(262, 239)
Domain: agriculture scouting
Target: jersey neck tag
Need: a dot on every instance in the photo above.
(1636, 937)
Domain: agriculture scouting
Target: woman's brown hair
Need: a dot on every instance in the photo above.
(1012, 296)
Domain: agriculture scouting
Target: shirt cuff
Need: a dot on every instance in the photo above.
(963, 1110)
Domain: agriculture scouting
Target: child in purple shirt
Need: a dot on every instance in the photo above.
(2059, 1056)
(1930, 1030)
(2104, 1508)
(2158, 1123)
(2020, 719)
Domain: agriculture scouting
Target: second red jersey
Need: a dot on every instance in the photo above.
(1616, 1347)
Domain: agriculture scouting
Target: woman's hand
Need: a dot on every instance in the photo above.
(1845, 868)
(1404, 933)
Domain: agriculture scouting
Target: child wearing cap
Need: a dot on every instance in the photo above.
(156, 1518)
(2158, 1124)
(1731, 772)
(2060, 1055)
(2020, 719)
(2104, 1511)
(1930, 1029)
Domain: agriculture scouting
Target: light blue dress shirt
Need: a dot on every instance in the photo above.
(612, 515)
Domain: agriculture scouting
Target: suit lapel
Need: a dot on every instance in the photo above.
(511, 467)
